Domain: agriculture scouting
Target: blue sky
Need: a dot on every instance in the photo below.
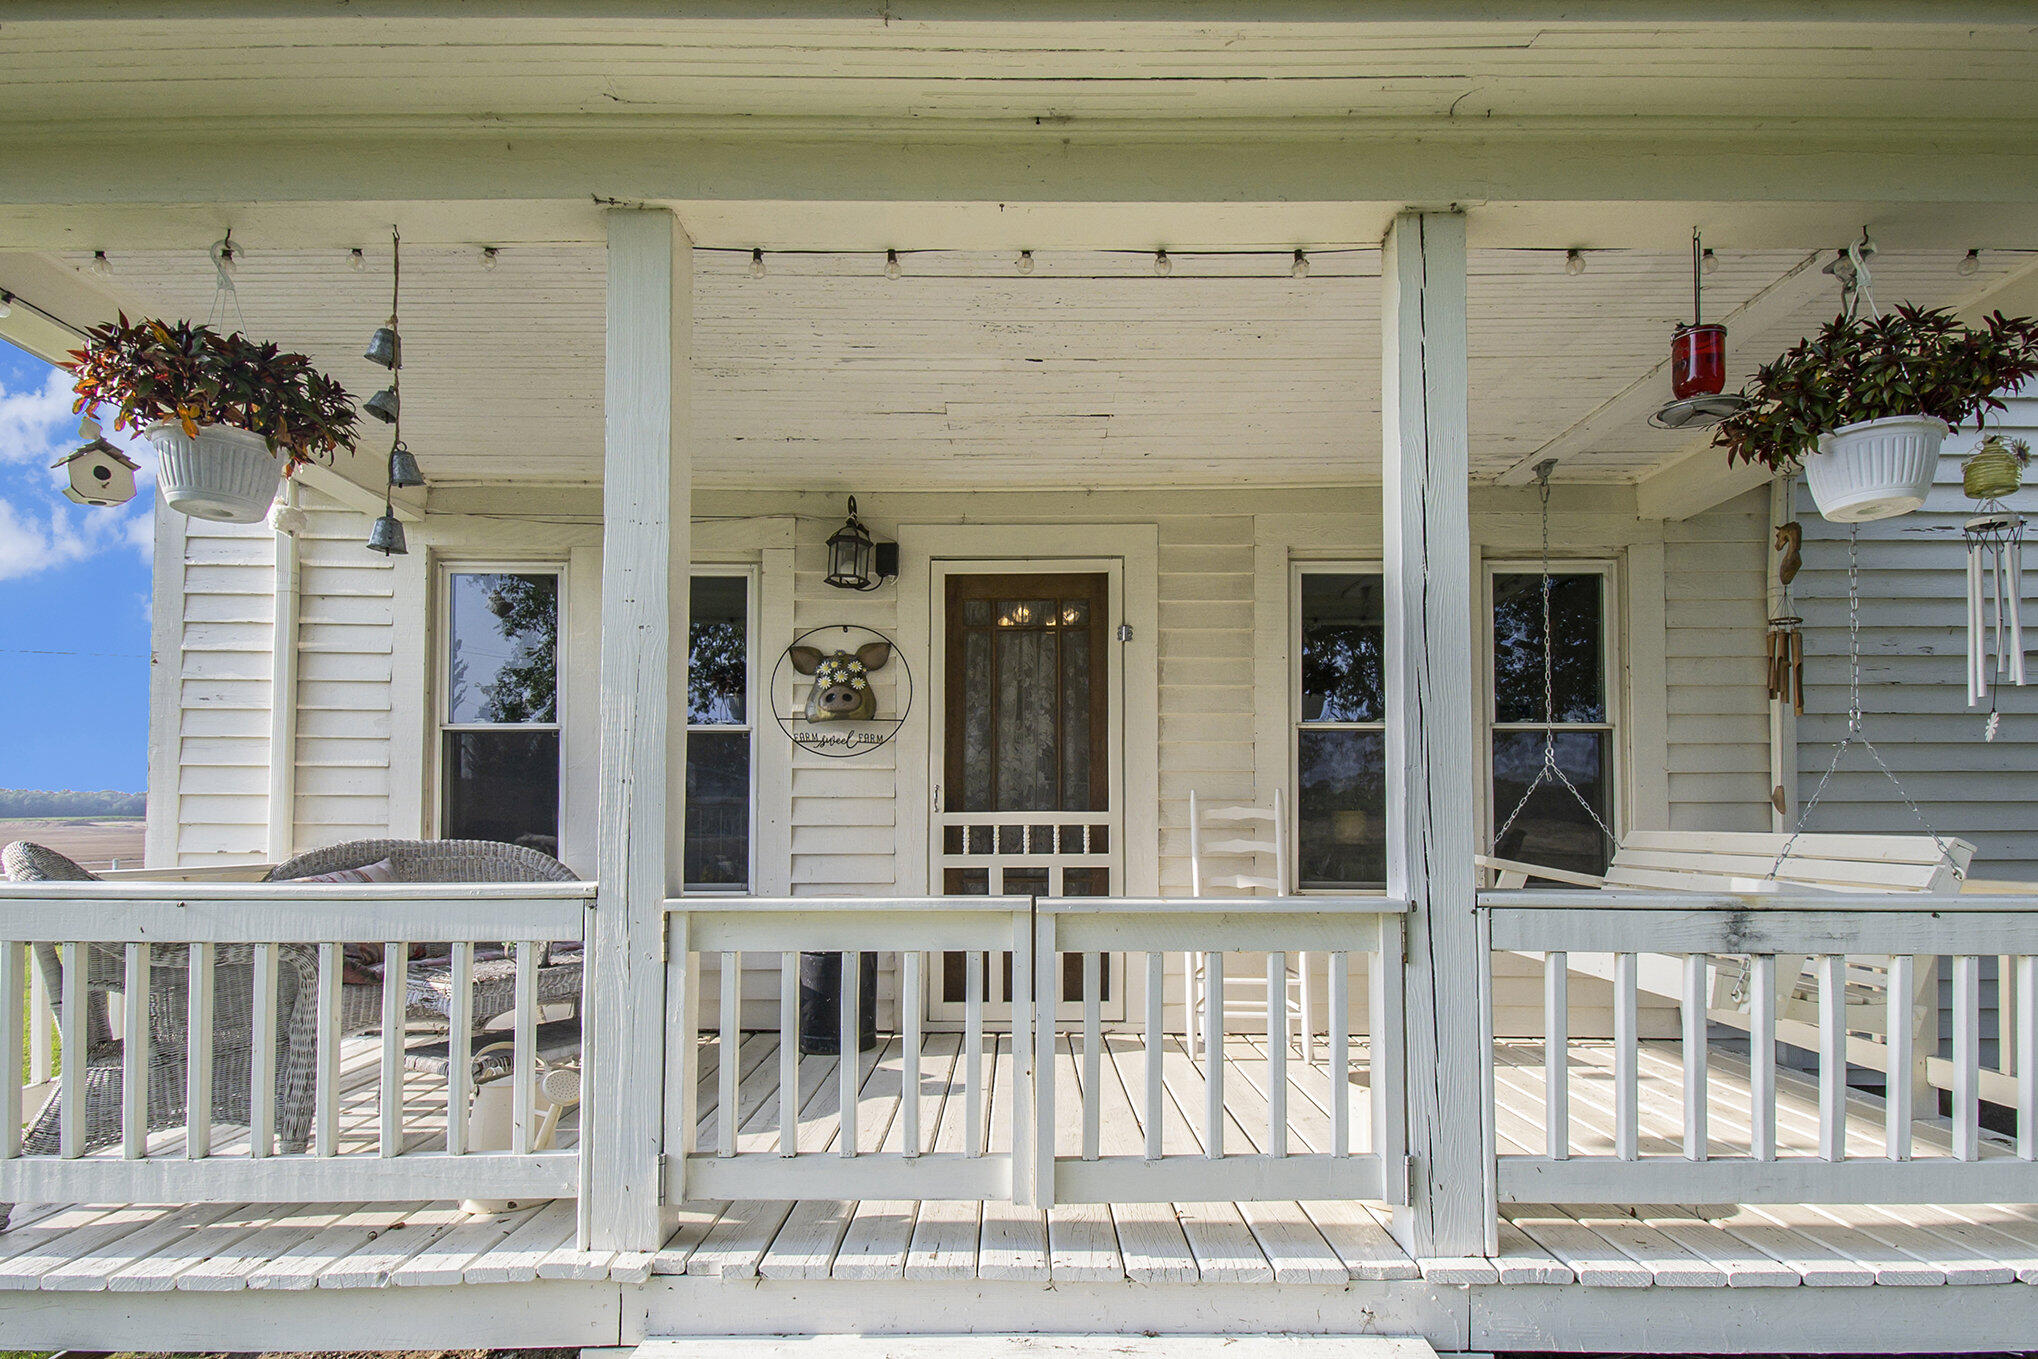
(74, 599)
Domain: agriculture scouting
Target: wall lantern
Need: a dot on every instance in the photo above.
(855, 562)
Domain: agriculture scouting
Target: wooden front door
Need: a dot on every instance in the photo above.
(1025, 803)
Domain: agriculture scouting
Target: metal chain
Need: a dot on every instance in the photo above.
(1550, 769)
(1857, 732)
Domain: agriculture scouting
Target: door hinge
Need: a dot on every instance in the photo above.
(1125, 632)
(1408, 1173)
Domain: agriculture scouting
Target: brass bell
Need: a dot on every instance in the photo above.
(386, 536)
(385, 349)
(382, 405)
(403, 468)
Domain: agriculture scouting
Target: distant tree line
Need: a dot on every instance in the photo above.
(22, 802)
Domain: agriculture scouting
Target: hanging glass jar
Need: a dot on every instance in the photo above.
(1995, 469)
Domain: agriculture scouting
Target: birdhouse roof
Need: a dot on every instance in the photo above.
(99, 446)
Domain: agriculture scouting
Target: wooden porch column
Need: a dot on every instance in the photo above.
(1430, 756)
(646, 517)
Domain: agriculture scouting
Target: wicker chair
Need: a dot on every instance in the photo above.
(449, 861)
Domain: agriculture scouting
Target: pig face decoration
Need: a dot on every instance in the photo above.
(842, 690)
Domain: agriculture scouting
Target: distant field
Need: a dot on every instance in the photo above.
(92, 842)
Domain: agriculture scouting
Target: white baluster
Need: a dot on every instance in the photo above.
(326, 1111)
(1626, 1113)
(909, 1087)
(524, 1048)
(1896, 1109)
(973, 1052)
(728, 1039)
(40, 1032)
(1967, 1057)
(1093, 1063)
(1762, 1056)
(1696, 1092)
(1213, 1055)
(13, 1003)
(460, 1049)
(788, 1054)
(1557, 1055)
(134, 1057)
(2027, 1057)
(1339, 1053)
(1831, 969)
(1156, 1055)
(1277, 1054)
(198, 1068)
(395, 1004)
(849, 1058)
(71, 1075)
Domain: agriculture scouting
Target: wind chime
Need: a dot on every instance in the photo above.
(1786, 638)
(1551, 771)
(385, 348)
(1995, 574)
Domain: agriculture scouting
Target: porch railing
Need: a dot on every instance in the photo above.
(206, 1053)
(1742, 960)
(749, 1117)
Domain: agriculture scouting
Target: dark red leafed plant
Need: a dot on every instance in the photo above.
(1914, 361)
(155, 371)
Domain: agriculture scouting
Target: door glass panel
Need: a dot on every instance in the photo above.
(1024, 724)
(1076, 774)
(718, 808)
(978, 779)
(1344, 624)
(1553, 829)
(1578, 687)
(1341, 810)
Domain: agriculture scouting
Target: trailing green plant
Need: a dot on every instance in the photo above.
(154, 371)
(1913, 361)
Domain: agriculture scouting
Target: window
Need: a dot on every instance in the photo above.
(718, 734)
(499, 713)
(1340, 733)
(1573, 712)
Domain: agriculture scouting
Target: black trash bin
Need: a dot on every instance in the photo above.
(821, 1003)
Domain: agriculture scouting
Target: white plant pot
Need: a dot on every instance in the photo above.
(1877, 469)
(225, 474)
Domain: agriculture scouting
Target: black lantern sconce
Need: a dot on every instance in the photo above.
(855, 561)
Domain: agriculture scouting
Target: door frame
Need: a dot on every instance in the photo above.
(1129, 555)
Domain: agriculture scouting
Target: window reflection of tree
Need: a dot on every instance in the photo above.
(716, 658)
(526, 686)
(1518, 649)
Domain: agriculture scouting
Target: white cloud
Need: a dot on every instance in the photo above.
(36, 423)
(39, 529)
(29, 545)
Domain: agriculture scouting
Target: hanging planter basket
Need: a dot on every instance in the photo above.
(1876, 469)
(225, 474)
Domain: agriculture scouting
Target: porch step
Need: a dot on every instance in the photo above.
(1040, 1346)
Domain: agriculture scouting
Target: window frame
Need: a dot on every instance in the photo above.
(444, 569)
(1612, 679)
(754, 691)
(1296, 724)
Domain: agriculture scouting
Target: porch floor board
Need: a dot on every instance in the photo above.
(229, 1247)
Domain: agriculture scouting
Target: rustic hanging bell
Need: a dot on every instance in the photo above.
(384, 348)
(386, 536)
(403, 468)
(383, 405)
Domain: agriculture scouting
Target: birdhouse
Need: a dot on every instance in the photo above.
(100, 474)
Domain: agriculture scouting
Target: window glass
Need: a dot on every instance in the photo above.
(718, 651)
(503, 666)
(1553, 829)
(1340, 745)
(1578, 683)
(719, 734)
(1344, 625)
(503, 785)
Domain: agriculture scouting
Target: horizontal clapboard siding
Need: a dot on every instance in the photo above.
(1715, 704)
(221, 729)
(345, 631)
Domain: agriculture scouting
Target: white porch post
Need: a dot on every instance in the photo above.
(646, 507)
(1430, 833)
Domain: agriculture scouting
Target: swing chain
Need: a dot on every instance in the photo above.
(1550, 768)
(1856, 727)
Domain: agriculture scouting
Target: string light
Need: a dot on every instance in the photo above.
(1024, 264)
(1970, 264)
(1162, 265)
(1574, 263)
(757, 262)
(101, 265)
(892, 269)
(1709, 262)
(6, 304)
(490, 256)
(358, 260)
(1300, 269)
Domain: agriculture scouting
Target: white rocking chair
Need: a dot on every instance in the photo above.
(1246, 831)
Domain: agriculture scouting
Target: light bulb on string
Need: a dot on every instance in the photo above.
(1300, 268)
(1709, 262)
(1574, 263)
(757, 269)
(1162, 265)
(892, 269)
(490, 257)
(1024, 264)
(1970, 264)
(101, 265)
(357, 259)
(6, 305)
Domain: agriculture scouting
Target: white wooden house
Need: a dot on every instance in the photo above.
(1201, 391)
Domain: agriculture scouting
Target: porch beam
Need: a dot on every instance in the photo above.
(646, 499)
(1430, 826)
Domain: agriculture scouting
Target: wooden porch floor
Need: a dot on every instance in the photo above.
(227, 1247)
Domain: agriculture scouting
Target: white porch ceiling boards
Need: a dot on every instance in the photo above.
(1006, 62)
(1090, 372)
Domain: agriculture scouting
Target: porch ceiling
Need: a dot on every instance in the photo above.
(1090, 372)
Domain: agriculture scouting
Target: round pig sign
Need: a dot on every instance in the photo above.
(841, 690)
